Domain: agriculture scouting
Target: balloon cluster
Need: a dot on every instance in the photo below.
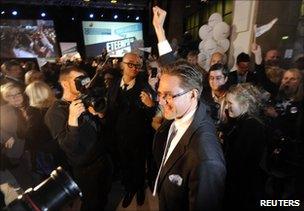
(214, 39)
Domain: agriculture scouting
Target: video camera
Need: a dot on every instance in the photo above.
(52, 194)
(91, 96)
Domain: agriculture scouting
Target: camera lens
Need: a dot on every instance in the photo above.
(52, 194)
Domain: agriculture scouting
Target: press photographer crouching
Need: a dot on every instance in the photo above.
(58, 192)
(75, 122)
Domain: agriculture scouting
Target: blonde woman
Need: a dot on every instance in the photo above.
(43, 147)
(13, 133)
(40, 95)
(244, 144)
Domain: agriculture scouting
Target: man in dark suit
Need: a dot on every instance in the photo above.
(189, 157)
(242, 73)
(129, 115)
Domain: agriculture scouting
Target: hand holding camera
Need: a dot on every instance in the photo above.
(76, 109)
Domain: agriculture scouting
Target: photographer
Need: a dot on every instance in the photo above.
(79, 134)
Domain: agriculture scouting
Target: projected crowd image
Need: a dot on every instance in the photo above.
(28, 39)
(117, 38)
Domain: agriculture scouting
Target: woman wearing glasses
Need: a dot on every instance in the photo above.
(13, 133)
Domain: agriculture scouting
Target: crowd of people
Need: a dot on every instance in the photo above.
(27, 40)
(200, 139)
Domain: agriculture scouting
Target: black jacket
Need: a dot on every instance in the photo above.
(244, 145)
(198, 160)
(83, 144)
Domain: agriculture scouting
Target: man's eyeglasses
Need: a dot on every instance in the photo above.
(131, 65)
(169, 97)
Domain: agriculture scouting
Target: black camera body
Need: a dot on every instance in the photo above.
(91, 96)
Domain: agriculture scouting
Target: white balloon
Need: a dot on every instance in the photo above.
(202, 59)
(214, 19)
(223, 45)
(221, 31)
(201, 45)
(210, 46)
(205, 32)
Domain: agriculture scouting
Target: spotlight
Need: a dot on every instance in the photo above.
(115, 16)
(14, 12)
(2, 12)
(73, 18)
(43, 14)
(137, 18)
(91, 15)
(101, 15)
(113, 1)
(128, 16)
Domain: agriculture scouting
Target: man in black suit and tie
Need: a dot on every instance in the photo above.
(129, 117)
(242, 74)
(191, 167)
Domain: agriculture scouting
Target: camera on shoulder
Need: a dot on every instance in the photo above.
(91, 96)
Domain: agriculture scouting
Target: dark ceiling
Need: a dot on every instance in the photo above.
(121, 4)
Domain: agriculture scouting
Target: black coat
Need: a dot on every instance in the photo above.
(198, 160)
(244, 145)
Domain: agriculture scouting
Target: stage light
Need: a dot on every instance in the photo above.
(128, 16)
(137, 18)
(73, 18)
(113, 1)
(91, 15)
(15, 13)
(115, 16)
(43, 14)
(2, 12)
(101, 15)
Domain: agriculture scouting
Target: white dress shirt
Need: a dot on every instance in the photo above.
(130, 84)
(181, 125)
(164, 47)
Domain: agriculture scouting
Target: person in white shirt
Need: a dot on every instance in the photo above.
(191, 167)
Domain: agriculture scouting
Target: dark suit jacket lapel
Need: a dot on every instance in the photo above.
(181, 147)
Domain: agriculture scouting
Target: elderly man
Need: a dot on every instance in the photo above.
(130, 113)
(191, 166)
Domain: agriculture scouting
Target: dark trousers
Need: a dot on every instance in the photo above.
(95, 183)
(132, 162)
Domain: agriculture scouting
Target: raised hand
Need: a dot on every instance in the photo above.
(146, 99)
(159, 16)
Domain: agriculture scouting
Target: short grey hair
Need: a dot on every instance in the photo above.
(190, 77)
